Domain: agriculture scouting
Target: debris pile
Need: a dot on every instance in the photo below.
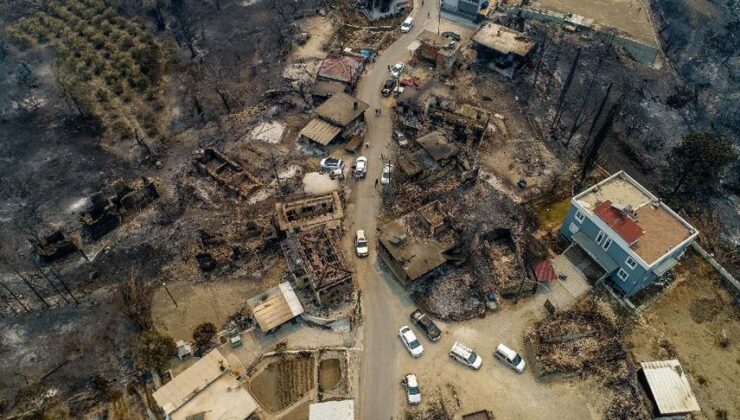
(453, 296)
(226, 172)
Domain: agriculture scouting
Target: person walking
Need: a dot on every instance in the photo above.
(429, 14)
(376, 182)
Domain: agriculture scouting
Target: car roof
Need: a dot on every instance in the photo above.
(409, 333)
(411, 380)
(506, 351)
(461, 349)
(409, 19)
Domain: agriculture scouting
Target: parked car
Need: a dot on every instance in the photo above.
(411, 385)
(360, 167)
(510, 358)
(397, 69)
(409, 340)
(426, 325)
(329, 164)
(385, 177)
(466, 356)
(407, 24)
(388, 87)
(361, 243)
(400, 138)
(451, 35)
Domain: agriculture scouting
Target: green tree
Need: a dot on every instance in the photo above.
(154, 350)
(203, 334)
(698, 163)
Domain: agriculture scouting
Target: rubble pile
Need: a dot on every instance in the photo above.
(576, 341)
(451, 296)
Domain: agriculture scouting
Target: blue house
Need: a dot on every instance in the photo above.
(621, 232)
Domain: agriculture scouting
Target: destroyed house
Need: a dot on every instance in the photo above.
(343, 68)
(108, 207)
(627, 231)
(315, 260)
(207, 389)
(502, 49)
(274, 307)
(338, 116)
(417, 243)
(226, 172)
(53, 247)
(302, 214)
(437, 147)
(441, 51)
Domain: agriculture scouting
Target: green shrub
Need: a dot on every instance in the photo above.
(154, 350)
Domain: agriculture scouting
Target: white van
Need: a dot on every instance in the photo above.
(510, 358)
(407, 24)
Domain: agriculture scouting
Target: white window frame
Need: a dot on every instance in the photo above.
(607, 243)
(600, 237)
(623, 275)
(630, 263)
(580, 216)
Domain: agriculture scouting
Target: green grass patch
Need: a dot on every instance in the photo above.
(552, 214)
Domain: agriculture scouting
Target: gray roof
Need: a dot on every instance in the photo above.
(320, 131)
(437, 145)
(341, 109)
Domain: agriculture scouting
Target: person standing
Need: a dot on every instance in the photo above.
(376, 182)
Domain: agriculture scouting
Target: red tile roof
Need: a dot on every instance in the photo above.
(625, 227)
(342, 68)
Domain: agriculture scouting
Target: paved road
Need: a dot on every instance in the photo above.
(385, 304)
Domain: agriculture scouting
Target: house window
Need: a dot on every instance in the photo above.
(579, 216)
(607, 242)
(631, 263)
(622, 274)
(599, 237)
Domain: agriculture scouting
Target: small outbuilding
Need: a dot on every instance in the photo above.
(668, 387)
(332, 410)
(274, 307)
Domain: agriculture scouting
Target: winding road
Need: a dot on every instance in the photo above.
(385, 304)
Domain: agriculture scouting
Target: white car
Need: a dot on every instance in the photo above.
(407, 24)
(510, 358)
(361, 244)
(466, 356)
(411, 385)
(360, 167)
(329, 164)
(397, 69)
(410, 341)
(385, 177)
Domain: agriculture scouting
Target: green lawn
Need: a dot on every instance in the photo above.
(552, 214)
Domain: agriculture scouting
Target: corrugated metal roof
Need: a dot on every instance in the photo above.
(670, 387)
(332, 410)
(341, 109)
(320, 131)
(275, 306)
(186, 385)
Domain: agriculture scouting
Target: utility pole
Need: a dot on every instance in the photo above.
(593, 123)
(539, 61)
(170, 294)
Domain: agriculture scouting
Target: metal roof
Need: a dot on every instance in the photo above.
(437, 145)
(275, 306)
(320, 131)
(669, 387)
(332, 410)
(186, 385)
(341, 109)
(504, 40)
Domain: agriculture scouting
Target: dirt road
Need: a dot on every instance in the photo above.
(384, 303)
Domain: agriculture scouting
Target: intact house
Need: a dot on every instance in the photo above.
(434, 48)
(210, 388)
(338, 116)
(475, 10)
(502, 49)
(342, 68)
(628, 232)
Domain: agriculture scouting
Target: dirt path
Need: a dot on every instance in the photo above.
(384, 303)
